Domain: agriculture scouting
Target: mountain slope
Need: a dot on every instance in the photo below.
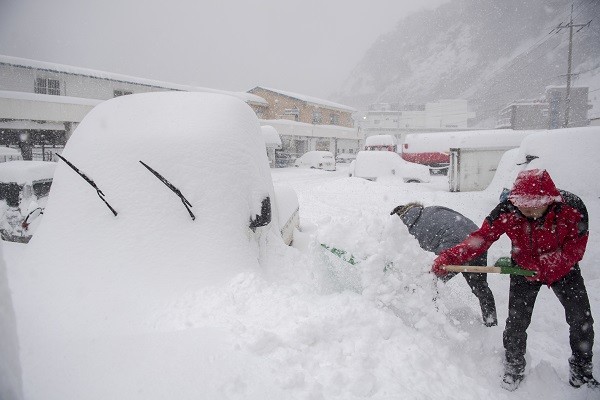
(487, 51)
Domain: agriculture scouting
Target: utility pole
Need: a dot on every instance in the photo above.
(560, 27)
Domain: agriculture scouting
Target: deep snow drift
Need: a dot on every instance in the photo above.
(10, 369)
(300, 324)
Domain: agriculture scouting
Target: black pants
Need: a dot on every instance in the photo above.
(479, 287)
(571, 293)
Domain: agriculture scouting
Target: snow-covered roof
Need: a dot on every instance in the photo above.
(68, 69)
(271, 136)
(443, 141)
(49, 98)
(22, 172)
(309, 99)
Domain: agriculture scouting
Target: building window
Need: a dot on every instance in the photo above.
(117, 93)
(317, 118)
(376, 122)
(293, 111)
(334, 119)
(47, 86)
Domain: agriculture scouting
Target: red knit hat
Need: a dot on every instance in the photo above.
(534, 188)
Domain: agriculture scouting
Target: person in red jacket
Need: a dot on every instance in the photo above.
(548, 229)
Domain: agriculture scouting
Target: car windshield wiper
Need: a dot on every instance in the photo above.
(88, 180)
(186, 203)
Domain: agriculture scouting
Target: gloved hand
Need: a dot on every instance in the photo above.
(438, 264)
(395, 210)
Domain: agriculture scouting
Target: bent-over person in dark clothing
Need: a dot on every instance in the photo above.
(440, 228)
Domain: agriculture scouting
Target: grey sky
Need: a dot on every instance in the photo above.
(306, 46)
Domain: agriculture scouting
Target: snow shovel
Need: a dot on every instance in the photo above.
(343, 254)
(502, 266)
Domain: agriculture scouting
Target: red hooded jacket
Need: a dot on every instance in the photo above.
(550, 245)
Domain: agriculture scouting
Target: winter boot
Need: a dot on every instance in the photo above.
(511, 382)
(490, 321)
(513, 375)
(582, 375)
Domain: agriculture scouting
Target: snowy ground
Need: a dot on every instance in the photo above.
(311, 327)
(434, 354)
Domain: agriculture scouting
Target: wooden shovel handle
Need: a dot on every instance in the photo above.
(472, 268)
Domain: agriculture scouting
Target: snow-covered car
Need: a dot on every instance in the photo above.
(316, 159)
(143, 217)
(9, 154)
(372, 165)
(24, 189)
(381, 143)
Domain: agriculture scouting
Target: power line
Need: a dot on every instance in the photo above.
(540, 41)
(570, 25)
(494, 75)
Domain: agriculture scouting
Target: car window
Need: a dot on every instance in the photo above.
(41, 189)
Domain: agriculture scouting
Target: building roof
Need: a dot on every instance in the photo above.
(49, 98)
(309, 99)
(68, 69)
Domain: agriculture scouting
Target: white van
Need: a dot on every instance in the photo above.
(317, 159)
(371, 165)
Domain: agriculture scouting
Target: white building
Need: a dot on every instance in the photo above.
(299, 137)
(389, 119)
(48, 100)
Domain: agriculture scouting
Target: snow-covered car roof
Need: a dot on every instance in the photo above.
(7, 151)
(271, 136)
(377, 164)
(130, 265)
(23, 172)
(380, 140)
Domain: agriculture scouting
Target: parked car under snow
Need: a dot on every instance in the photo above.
(316, 159)
(144, 214)
(372, 165)
(24, 189)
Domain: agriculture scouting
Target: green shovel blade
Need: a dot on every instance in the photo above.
(507, 267)
(349, 258)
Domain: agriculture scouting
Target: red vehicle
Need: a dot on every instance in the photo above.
(433, 149)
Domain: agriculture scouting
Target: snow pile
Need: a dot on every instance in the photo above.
(297, 325)
(10, 369)
(23, 172)
(89, 274)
